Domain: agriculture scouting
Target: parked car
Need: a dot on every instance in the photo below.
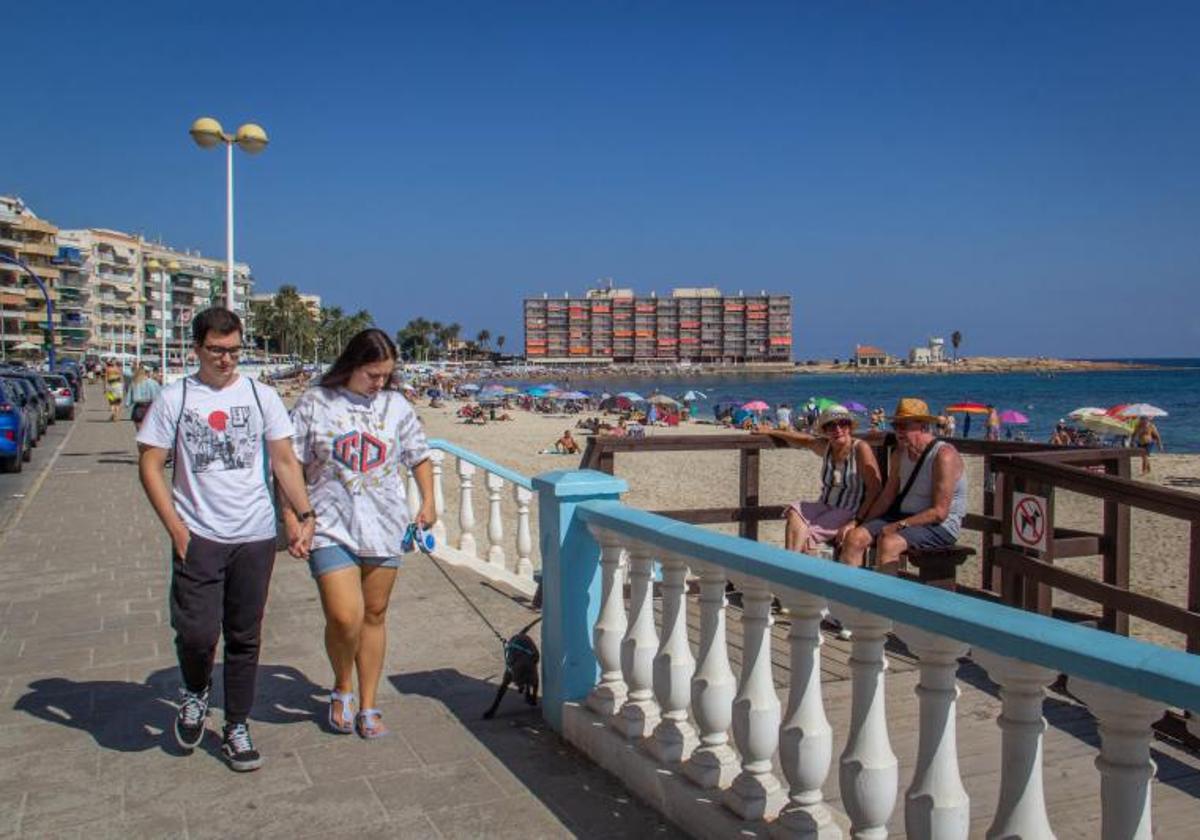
(16, 445)
(32, 403)
(45, 398)
(71, 372)
(64, 396)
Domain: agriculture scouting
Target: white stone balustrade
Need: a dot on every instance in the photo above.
(523, 497)
(466, 508)
(495, 523)
(437, 458)
(674, 737)
(608, 695)
(713, 763)
(639, 714)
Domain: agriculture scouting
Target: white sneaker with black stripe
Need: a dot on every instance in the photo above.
(238, 750)
(189, 722)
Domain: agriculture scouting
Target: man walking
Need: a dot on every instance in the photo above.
(227, 434)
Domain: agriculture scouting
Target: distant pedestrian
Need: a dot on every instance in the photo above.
(353, 436)
(1146, 437)
(783, 417)
(114, 389)
(993, 423)
(226, 432)
(141, 394)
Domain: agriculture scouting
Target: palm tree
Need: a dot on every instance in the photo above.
(955, 340)
(483, 338)
(500, 343)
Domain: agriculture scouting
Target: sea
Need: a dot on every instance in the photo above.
(1171, 384)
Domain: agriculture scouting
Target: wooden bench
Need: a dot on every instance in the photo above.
(937, 566)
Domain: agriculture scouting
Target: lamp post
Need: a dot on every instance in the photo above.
(207, 133)
(4, 258)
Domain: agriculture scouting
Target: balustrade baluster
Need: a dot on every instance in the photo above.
(674, 737)
(1125, 766)
(1021, 811)
(756, 793)
(610, 693)
(936, 804)
(495, 526)
(713, 763)
(466, 508)
(413, 496)
(639, 714)
(524, 541)
(806, 739)
(437, 457)
(868, 771)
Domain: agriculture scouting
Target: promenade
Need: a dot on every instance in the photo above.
(88, 684)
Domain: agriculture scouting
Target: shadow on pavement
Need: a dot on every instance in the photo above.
(133, 717)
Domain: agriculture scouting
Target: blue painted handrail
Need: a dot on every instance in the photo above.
(1170, 676)
(483, 463)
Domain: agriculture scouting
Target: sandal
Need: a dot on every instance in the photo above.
(345, 725)
(368, 723)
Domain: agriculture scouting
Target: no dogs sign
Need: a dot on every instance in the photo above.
(1030, 521)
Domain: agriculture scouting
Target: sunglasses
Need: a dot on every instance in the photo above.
(218, 351)
(838, 424)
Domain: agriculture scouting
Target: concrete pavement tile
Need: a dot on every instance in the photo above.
(172, 778)
(418, 828)
(50, 645)
(11, 803)
(519, 818)
(436, 743)
(140, 652)
(18, 739)
(141, 618)
(409, 793)
(43, 770)
(333, 809)
(53, 623)
(349, 757)
(63, 806)
(67, 662)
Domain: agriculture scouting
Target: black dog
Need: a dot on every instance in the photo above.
(520, 667)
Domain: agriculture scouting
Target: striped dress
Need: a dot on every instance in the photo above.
(842, 484)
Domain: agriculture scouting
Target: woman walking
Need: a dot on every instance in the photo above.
(114, 389)
(140, 395)
(353, 434)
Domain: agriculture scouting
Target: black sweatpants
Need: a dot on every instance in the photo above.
(221, 587)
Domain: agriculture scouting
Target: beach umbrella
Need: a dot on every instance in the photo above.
(756, 405)
(470, 387)
(1013, 417)
(632, 396)
(966, 408)
(1086, 411)
(25, 345)
(692, 396)
(662, 399)
(1136, 410)
(573, 395)
(856, 407)
(618, 402)
(820, 403)
(1103, 424)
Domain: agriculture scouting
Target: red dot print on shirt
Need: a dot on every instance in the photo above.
(218, 420)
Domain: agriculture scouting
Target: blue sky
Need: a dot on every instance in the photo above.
(1026, 172)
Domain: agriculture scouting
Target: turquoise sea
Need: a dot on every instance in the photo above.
(1173, 386)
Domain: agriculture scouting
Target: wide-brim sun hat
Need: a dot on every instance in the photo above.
(833, 413)
(912, 409)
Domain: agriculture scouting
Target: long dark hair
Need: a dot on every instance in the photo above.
(365, 348)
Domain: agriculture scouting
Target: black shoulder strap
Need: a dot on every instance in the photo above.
(261, 413)
(178, 423)
(913, 475)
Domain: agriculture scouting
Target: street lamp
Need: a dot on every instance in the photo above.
(207, 133)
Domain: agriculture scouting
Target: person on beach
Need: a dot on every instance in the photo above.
(114, 389)
(566, 444)
(226, 431)
(353, 435)
(1060, 436)
(141, 394)
(783, 416)
(924, 500)
(850, 481)
(993, 423)
(1146, 437)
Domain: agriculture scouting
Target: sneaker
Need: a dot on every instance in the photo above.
(238, 749)
(189, 723)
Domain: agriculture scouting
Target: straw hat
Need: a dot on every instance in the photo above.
(911, 408)
(836, 412)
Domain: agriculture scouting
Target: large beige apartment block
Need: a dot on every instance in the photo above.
(31, 240)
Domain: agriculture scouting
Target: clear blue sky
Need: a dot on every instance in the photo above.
(1025, 172)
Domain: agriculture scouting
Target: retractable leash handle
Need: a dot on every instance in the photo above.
(417, 537)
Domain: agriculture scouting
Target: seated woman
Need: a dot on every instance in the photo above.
(850, 481)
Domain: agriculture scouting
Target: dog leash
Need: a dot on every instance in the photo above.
(471, 603)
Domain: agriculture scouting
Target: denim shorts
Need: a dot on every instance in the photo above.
(330, 558)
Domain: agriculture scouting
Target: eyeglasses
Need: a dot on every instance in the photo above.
(840, 424)
(218, 351)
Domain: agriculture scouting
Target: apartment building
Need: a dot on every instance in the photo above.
(31, 240)
(691, 325)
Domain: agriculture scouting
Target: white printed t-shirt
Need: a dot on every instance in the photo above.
(220, 488)
(352, 448)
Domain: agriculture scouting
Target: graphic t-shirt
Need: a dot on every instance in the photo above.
(353, 448)
(220, 489)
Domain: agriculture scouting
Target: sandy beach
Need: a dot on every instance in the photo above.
(682, 480)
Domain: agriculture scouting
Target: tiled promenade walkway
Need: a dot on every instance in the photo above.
(88, 682)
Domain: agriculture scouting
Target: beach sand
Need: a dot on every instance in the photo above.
(690, 480)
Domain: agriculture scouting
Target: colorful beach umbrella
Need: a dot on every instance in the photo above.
(856, 407)
(632, 396)
(470, 387)
(1103, 424)
(1136, 410)
(756, 405)
(1085, 411)
(692, 396)
(572, 395)
(1013, 417)
(966, 408)
(662, 399)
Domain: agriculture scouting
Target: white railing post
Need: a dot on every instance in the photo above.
(639, 714)
(1126, 768)
(713, 763)
(413, 496)
(608, 695)
(524, 541)
(868, 771)
(936, 804)
(466, 508)
(806, 739)
(1021, 811)
(674, 737)
(438, 457)
(495, 526)
(756, 793)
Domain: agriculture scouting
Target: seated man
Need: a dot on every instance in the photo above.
(566, 444)
(924, 500)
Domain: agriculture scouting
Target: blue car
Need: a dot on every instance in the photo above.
(16, 445)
